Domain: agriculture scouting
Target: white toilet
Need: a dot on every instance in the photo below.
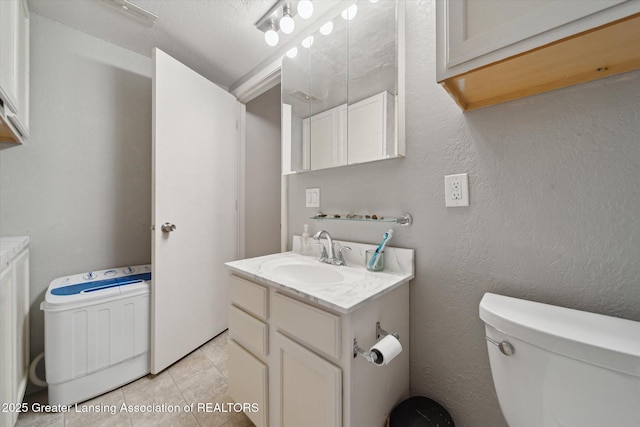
(555, 366)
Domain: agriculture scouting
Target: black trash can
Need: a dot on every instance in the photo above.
(420, 411)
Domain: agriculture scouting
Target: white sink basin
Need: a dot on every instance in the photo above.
(316, 274)
(311, 272)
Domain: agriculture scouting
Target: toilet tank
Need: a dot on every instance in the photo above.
(568, 367)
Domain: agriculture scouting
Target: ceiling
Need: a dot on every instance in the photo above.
(216, 38)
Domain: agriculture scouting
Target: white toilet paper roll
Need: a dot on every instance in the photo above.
(386, 350)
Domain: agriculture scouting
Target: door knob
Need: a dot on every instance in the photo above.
(167, 227)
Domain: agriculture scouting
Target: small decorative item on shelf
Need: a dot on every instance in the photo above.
(404, 220)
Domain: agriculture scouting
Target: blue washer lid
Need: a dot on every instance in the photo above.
(101, 284)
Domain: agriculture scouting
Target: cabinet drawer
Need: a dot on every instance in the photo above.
(248, 330)
(248, 295)
(313, 326)
(248, 382)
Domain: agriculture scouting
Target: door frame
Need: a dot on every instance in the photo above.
(265, 79)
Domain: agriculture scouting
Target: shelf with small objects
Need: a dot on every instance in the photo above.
(405, 219)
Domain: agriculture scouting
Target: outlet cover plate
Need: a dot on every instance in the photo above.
(456, 190)
(313, 198)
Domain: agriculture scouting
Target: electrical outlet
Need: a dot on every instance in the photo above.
(313, 198)
(456, 190)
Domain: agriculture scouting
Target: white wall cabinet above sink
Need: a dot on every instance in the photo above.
(495, 51)
(361, 132)
(14, 71)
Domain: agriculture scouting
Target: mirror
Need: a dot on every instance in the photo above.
(341, 93)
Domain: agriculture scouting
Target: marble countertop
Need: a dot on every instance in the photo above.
(10, 247)
(358, 287)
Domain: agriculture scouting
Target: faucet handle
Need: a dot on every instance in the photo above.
(341, 255)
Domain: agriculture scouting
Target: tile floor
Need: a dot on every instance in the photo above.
(200, 377)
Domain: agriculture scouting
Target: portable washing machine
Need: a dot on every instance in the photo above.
(96, 332)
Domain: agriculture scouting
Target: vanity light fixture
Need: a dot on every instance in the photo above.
(278, 18)
(292, 53)
(327, 28)
(271, 35)
(305, 9)
(286, 22)
(350, 12)
(307, 43)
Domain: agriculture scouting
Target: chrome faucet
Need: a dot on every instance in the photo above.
(328, 254)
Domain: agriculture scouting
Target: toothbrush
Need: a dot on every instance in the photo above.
(376, 257)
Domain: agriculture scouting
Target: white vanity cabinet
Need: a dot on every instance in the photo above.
(306, 363)
(497, 50)
(14, 70)
(14, 334)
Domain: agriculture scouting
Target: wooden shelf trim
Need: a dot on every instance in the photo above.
(6, 133)
(603, 51)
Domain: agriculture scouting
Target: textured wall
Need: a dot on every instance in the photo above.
(262, 177)
(81, 185)
(554, 215)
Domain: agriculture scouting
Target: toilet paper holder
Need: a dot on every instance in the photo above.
(382, 333)
(372, 356)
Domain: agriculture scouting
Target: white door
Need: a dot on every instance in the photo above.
(195, 189)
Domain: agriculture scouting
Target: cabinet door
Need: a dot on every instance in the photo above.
(310, 387)
(6, 342)
(319, 137)
(471, 29)
(367, 129)
(21, 321)
(248, 382)
(9, 14)
(324, 139)
(21, 120)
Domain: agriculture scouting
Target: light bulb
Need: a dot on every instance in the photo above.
(327, 28)
(292, 52)
(308, 42)
(286, 23)
(350, 12)
(305, 9)
(271, 37)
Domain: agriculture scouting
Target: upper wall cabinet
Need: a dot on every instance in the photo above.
(492, 51)
(14, 70)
